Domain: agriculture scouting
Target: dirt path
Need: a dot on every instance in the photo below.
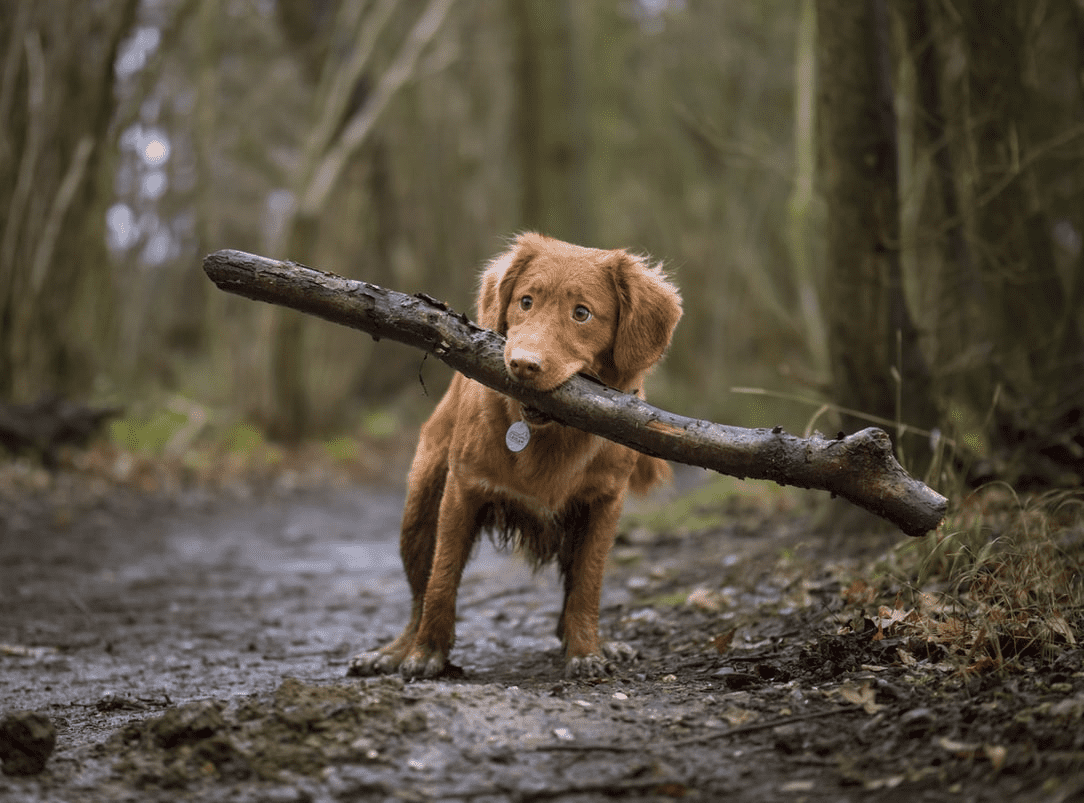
(196, 649)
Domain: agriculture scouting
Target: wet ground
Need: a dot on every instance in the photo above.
(193, 646)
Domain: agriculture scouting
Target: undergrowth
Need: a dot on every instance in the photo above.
(1002, 580)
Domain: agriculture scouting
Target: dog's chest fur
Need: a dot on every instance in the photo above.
(542, 538)
(528, 505)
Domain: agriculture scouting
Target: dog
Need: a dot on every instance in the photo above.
(487, 462)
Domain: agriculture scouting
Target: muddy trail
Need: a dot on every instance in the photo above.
(194, 647)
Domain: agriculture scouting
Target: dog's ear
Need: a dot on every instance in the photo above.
(498, 281)
(649, 307)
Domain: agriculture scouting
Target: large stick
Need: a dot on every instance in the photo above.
(860, 467)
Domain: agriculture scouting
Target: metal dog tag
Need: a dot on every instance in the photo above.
(517, 436)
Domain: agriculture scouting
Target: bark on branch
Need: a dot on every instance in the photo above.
(860, 467)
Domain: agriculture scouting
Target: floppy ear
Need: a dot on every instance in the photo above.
(498, 281)
(649, 308)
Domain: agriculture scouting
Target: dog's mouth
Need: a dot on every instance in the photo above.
(533, 417)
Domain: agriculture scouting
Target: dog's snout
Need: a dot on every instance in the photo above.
(524, 364)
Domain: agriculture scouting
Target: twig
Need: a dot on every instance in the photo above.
(766, 724)
(605, 787)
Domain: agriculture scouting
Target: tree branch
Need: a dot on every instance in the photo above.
(356, 130)
(860, 467)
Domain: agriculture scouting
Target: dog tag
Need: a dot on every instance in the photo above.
(517, 436)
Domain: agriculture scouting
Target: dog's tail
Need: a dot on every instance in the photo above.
(649, 472)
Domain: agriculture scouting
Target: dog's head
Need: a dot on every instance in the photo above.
(566, 309)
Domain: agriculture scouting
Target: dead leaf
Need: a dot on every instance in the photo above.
(739, 716)
(26, 652)
(798, 786)
(996, 754)
(1056, 622)
(860, 695)
(722, 641)
(960, 749)
(982, 665)
(859, 593)
(672, 789)
(705, 599)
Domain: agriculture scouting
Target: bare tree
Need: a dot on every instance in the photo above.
(1038, 361)
(551, 117)
(56, 103)
(992, 121)
(345, 111)
(877, 367)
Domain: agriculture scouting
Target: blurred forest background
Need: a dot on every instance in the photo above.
(874, 209)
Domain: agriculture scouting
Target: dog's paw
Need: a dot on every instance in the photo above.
(372, 663)
(619, 651)
(601, 663)
(423, 662)
(589, 666)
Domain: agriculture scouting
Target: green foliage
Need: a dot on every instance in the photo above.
(243, 438)
(382, 422)
(712, 505)
(147, 434)
(342, 448)
(673, 599)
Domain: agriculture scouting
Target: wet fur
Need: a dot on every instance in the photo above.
(560, 498)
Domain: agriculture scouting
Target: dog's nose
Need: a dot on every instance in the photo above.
(524, 364)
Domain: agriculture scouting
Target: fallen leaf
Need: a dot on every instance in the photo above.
(705, 599)
(722, 641)
(888, 617)
(26, 652)
(672, 789)
(860, 695)
(996, 754)
(798, 786)
(1056, 622)
(739, 716)
(859, 593)
(959, 749)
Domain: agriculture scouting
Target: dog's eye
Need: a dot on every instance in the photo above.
(526, 302)
(581, 314)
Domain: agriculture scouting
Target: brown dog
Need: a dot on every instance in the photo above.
(564, 310)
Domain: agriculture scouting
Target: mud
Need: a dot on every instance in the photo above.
(193, 646)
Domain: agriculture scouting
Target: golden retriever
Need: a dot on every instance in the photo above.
(485, 461)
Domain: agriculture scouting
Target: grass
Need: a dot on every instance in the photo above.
(999, 584)
(1001, 580)
(711, 505)
(177, 443)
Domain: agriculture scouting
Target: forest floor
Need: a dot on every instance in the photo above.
(189, 641)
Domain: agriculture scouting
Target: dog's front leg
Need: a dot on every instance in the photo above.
(457, 528)
(583, 564)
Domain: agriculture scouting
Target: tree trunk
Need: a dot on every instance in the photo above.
(958, 277)
(876, 363)
(552, 121)
(56, 104)
(1037, 373)
(1020, 363)
(801, 233)
(345, 114)
(860, 468)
